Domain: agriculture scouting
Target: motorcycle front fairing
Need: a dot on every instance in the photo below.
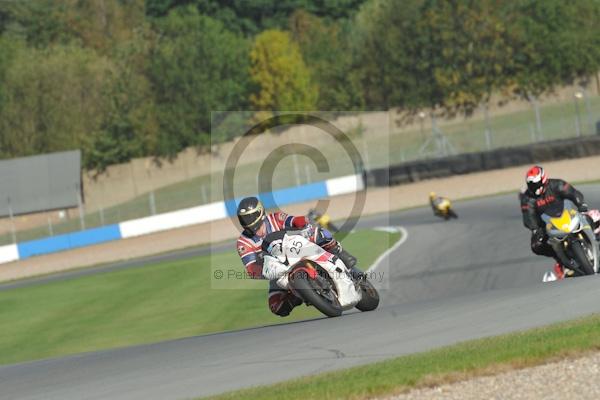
(563, 224)
(297, 248)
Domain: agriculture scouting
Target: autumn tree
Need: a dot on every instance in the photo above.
(283, 81)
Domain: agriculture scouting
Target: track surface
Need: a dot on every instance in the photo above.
(449, 282)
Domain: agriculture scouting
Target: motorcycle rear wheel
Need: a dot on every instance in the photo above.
(581, 258)
(309, 290)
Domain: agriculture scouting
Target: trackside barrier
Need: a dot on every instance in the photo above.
(172, 220)
(68, 241)
(415, 171)
(8, 253)
(176, 219)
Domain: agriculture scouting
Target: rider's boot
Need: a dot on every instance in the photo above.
(282, 304)
(559, 271)
(348, 259)
(567, 270)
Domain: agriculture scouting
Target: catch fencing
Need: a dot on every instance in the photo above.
(414, 144)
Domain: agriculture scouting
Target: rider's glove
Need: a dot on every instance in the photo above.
(308, 232)
(583, 207)
(272, 268)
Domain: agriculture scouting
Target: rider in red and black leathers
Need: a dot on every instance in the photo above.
(257, 224)
(540, 194)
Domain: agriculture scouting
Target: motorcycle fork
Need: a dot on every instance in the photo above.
(560, 248)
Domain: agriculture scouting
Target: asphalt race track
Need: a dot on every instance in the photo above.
(449, 282)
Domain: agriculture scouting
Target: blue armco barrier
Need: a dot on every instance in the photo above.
(282, 197)
(68, 241)
(276, 199)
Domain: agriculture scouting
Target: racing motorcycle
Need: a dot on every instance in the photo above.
(573, 236)
(318, 277)
(322, 220)
(443, 209)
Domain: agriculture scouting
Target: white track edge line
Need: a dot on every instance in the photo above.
(385, 254)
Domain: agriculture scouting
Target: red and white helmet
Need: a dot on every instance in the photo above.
(536, 180)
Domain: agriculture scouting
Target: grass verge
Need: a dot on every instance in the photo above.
(444, 365)
(161, 301)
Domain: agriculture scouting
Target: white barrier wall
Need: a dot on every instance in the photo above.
(345, 184)
(9, 253)
(175, 219)
(172, 220)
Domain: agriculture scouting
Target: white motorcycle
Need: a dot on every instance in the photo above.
(317, 277)
(573, 236)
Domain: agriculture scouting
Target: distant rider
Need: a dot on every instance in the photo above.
(257, 224)
(540, 194)
(435, 201)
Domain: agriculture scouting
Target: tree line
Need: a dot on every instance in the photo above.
(132, 78)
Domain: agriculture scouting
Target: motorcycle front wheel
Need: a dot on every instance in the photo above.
(317, 292)
(581, 258)
(370, 297)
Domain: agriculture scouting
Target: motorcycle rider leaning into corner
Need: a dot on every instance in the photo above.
(541, 193)
(435, 201)
(257, 224)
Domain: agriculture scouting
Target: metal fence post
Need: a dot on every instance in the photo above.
(204, 195)
(50, 228)
(152, 202)
(488, 133)
(538, 120)
(12, 221)
(80, 206)
(366, 163)
(296, 170)
(102, 222)
(532, 133)
(576, 98)
(307, 172)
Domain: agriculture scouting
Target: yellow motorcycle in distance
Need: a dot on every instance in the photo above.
(441, 206)
(322, 220)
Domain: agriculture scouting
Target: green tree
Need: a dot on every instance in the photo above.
(52, 99)
(283, 80)
(428, 53)
(38, 22)
(252, 17)
(391, 62)
(554, 43)
(327, 53)
(103, 24)
(196, 67)
(129, 126)
(472, 52)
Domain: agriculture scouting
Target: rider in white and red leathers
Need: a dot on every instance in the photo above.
(257, 224)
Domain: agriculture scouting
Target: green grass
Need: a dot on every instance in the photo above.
(142, 305)
(442, 365)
